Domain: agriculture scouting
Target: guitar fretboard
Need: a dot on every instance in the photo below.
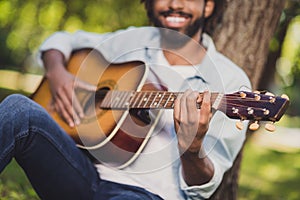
(146, 100)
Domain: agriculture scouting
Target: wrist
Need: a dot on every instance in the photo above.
(55, 71)
(198, 152)
(54, 62)
(193, 148)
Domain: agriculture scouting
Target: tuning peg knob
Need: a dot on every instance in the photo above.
(254, 126)
(243, 95)
(270, 127)
(239, 125)
(272, 99)
(285, 96)
(257, 97)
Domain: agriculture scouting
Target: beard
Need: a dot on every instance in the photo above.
(172, 36)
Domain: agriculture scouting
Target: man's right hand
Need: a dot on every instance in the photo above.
(62, 86)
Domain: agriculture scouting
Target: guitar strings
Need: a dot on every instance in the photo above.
(165, 96)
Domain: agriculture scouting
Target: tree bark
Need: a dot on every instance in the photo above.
(243, 31)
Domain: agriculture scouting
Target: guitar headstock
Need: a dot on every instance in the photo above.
(255, 106)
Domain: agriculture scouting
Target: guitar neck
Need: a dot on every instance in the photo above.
(147, 100)
(240, 105)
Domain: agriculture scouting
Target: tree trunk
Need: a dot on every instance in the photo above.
(243, 34)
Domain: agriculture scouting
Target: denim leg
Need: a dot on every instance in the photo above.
(56, 168)
(116, 191)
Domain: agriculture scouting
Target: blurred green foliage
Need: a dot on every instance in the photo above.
(288, 66)
(269, 174)
(292, 89)
(26, 24)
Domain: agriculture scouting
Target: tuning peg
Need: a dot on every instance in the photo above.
(266, 112)
(239, 125)
(256, 92)
(243, 95)
(285, 96)
(257, 97)
(254, 126)
(270, 127)
(272, 99)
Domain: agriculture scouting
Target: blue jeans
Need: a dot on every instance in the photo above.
(56, 168)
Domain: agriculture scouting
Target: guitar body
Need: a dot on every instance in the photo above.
(114, 137)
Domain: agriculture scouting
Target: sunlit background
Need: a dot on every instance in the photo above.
(271, 162)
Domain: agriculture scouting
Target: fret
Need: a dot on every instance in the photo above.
(106, 103)
(135, 99)
(122, 99)
(153, 101)
(146, 99)
(142, 99)
(173, 98)
(161, 95)
(167, 100)
(170, 101)
(118, 99)
(127, 99)
(115, 99)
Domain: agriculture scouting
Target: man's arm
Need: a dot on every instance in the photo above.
(62, 85)
(191, 126)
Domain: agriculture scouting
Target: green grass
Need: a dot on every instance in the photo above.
(269, 174)
(5, 92)
(14, 185)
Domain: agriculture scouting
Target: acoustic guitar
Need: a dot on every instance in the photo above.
(121, 115)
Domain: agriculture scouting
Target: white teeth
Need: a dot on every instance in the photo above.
(175, 19)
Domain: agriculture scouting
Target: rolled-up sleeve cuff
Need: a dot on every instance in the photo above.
(202, 191)
(60, 41)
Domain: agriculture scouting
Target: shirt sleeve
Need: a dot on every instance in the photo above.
(222, 144)
(67, 42)
(111, 45)
(202, 191)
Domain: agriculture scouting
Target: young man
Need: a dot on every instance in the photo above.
(190, 148)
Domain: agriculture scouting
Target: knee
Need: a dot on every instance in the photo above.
(17, 102)
(19, 107)
(15, 97)
(14, 100)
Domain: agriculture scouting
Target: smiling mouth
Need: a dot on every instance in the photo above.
(175, 19)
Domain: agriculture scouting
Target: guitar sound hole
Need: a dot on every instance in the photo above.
(93, 102)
